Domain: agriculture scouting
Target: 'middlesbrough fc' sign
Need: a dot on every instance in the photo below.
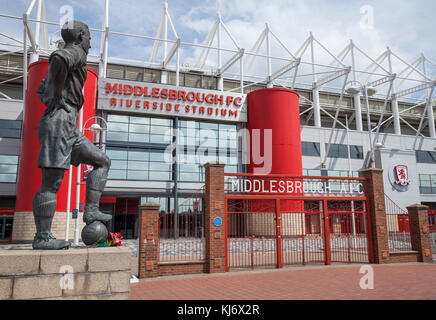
(160, 99)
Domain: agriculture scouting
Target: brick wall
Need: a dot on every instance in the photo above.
(374, 191)
(420, 232)
(418, 220)
(403, 256)
(148, 251)
(172, 269)
(24, 226)
(149, 265)
(214, 208)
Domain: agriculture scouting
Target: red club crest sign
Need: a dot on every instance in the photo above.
(401, 175)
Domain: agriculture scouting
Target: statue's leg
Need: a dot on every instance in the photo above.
(44, 206)
(86, 152)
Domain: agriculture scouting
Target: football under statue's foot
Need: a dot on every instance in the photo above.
(95, 215)
(47, 241)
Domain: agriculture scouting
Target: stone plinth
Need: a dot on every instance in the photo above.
(24, 226)
(75, 274)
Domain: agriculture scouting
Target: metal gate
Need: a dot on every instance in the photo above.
(263, 231)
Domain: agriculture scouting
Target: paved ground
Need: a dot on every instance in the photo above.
(401, 281)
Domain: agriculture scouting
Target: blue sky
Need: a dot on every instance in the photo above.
(407, 27)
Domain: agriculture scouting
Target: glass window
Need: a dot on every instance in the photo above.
(312, 172)
(10, 129)
(115, 71)
(117, 118)
(8, 168)
(160, 200)
(137, 137)
(161, 139)
(139, 128)
(192, 80)
(208, 82)
(356, 152)
(134, 73)
(117, 126)
(209, 125)
(117, 136)
(172, 78)
(138, 155)
(116, 154)
(159, 175)
(229, 85)
(137, 165)
(425, 156)
(118, 164)
(12, 91)
(117, 174)
(159, 156)
(159, 166)
(137, 175)
(427, 183)
(164, 130)
(139, 120)
(310, 149)
(16, 61)
(341, 151)
(161, 122)
(152, 75)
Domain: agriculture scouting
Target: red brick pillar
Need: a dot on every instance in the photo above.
(148, 240)
(214, 208)
(378, 233)
(419, 231)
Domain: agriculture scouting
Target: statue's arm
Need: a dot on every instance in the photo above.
(57, 73)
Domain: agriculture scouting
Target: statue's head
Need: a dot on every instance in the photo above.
(77, 32)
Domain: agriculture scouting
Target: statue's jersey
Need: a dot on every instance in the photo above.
(75, 60)
(61, 143)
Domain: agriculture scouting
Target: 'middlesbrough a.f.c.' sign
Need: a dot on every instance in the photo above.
(295, 186)
(160, 99)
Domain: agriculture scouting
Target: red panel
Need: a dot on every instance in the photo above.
(108, 199)
(127, 206)
(403, 223)
(6, 211)
(29, 175)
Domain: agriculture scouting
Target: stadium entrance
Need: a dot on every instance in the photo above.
(298, 226)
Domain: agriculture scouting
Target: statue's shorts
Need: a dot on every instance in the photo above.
(61, 143)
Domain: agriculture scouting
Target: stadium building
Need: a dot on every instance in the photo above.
(356, 112)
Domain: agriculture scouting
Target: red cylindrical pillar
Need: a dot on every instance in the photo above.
(29, 175)
(276, 109)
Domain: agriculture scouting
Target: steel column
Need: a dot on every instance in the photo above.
(327, 251)
(278, 235)
(396, 115)
(316, 106)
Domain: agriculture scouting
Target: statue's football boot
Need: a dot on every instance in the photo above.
(94, 214)
(46, 241)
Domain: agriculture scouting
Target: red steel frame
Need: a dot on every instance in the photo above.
(325, 212)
